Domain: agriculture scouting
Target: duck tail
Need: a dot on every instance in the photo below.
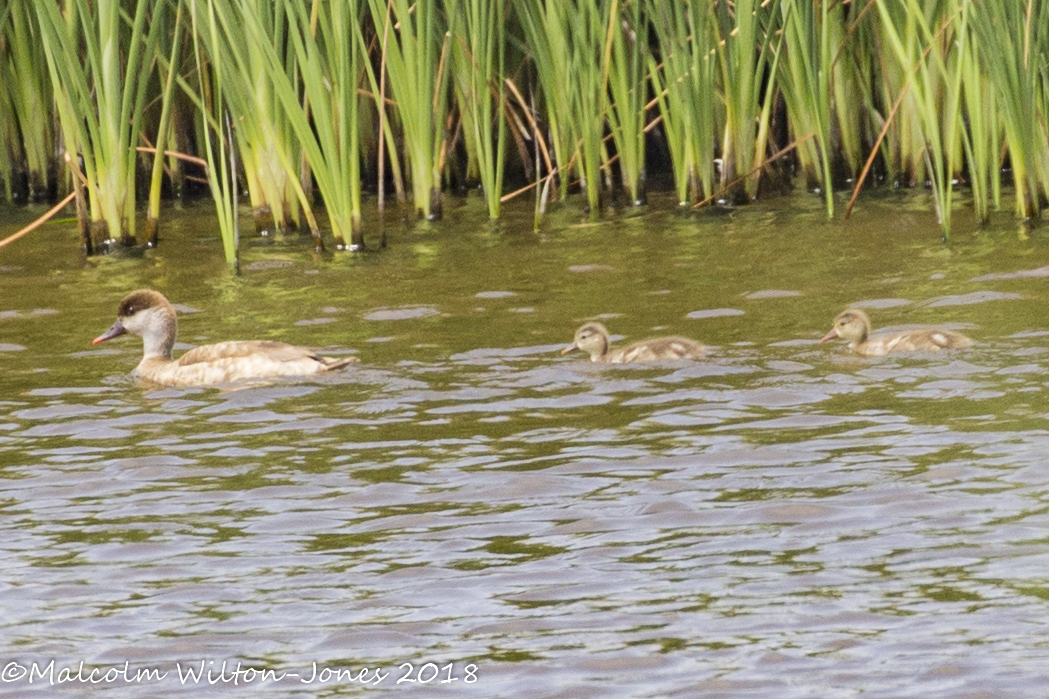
(333, 363)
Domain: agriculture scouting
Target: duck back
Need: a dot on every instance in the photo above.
(654, 350)
(913, 341)
(227, 362)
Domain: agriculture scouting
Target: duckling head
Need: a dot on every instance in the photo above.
(592, 338)
(852, 325)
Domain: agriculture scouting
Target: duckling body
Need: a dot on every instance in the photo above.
(148, 314)
(854, 325)
(592, 338)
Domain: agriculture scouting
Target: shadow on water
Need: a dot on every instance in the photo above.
(783, 519)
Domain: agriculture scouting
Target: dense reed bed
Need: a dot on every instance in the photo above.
(306, 105)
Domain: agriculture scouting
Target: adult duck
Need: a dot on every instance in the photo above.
(854, 325)
(148, 314)
(592, 338)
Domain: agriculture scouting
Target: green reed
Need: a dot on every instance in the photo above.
(920, 49)
(414, 46)
(216, 136)
(169, 71)
(626, 69)
(852, 104)
(25, 102)
(100, 67)
(329, 46)
(1014, 49)
(685, 84)
(10, 138)
(319, 92)
(569, 46)
(746, 55)
(984, 137)
(545, 35)
(249, 33)
(805, 72)
(588, 29)
(479, 60)
(899, 50)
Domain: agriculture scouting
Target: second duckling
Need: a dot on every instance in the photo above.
(592, 338)
(854, 325)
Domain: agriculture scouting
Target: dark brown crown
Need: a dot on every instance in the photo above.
(136, 301)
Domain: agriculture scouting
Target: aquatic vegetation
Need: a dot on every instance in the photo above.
(243, 40)
(99, 65)
(805, 83)
(479, 60)
(414, 42)
(221, 175)
(747, 30)
(626, 65)
(25, 94)
(728, 98)
(328, 46)
(168, 72)
(684, 82)
(546, 27)
(1012, 42)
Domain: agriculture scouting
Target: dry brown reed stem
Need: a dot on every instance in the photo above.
(739, 179)
(83, 228)
(540, 141)
(874, 151)
(848, 33)
(454, 127)
(531, 122)
(888, 122)
(546, 154)
(176, 154)
(507, 197)
(517, 130)
(71, 162)
(311, 220)
(39, 222)
(651, 125)
(549, 177)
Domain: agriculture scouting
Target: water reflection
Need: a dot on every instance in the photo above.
(783, 520)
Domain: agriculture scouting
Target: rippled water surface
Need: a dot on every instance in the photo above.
(781, 520)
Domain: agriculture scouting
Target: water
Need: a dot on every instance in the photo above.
(782, 520)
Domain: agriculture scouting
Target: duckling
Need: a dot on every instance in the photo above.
(854, 325)
(592, 338)
(148, 314)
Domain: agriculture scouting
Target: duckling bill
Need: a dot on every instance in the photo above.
(854, 325)
(592, 338)
(148, 314)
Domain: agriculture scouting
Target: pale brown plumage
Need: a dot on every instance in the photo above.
(148, 314)
(854, 325)
(592, 338)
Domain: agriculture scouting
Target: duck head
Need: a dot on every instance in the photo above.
(592, 338)
(852, 325)
(148, 314)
